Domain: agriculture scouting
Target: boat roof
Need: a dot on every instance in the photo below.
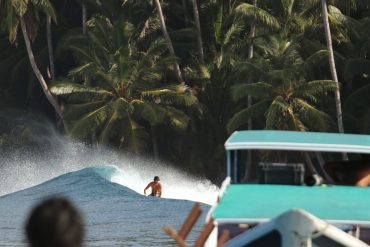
(298, 141)
(255, 203)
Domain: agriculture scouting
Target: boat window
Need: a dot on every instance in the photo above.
(324, 241)
(272, 239)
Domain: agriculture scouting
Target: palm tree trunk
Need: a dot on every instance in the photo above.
(199, 33)
(333, 69)
(168, 39)
(251, 35)
(84, 18)
(38, 74)
(185, 7)
(50, 46)
(332, 64)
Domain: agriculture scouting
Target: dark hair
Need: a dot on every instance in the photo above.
(156, 178)
(55, 222)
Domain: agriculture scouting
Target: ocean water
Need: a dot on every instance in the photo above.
(114, 214)
(107, 187)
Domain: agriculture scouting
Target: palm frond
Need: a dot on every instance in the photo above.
(177, 118)
(258, 90)
(75, 111)
(77, 93)
(135, 138)
(258, 14)
(113, 127)
(91, 122)
(313, 118)
(152, 113)
(11, 21)
(20, 6)
(178, 95)
(287, 6)
(241, 118)
(232, 32)
(313, 89)
(45, 6)
(317, 59)
(150, 27)
(277, 114)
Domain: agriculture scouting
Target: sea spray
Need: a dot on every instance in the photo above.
(60, 155)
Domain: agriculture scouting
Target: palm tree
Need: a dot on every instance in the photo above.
(117, 91)
(332, 65)
(251, 35)
(50, 47)
(84, 18)
(355, 72)
(199, 33)
(283, 96)
(17, 12)
(168, 40)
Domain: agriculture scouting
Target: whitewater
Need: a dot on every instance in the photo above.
(106, 186)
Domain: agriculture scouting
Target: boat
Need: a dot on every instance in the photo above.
(288, 213)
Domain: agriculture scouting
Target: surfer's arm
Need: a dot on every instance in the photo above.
(147, 187)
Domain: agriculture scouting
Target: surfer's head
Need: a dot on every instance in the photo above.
(156, 178)
(55, 222)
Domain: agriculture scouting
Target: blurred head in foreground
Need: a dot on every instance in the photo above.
(55, 222)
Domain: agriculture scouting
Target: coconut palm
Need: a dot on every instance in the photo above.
(282, 95)
(117, 91)
(23, 13)
(332, 65)
(50, 47)
(168, 39)
(356, 71)
(199, 32)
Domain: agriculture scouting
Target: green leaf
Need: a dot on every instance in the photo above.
(152, 113)
(78, 93)
(258, 90)
(241, 117)
(91, 122)
(75, 111)
(261, 16)
(171, 95)
(313, 118)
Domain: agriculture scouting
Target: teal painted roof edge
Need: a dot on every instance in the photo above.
(243, 203)
(298, 141)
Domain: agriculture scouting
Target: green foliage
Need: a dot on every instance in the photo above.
(283, 96)
(116, 92)
(116, 83)
(15, 9)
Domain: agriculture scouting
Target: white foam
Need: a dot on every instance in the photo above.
(22, 171)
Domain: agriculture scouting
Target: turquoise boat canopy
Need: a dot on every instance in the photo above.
(298, 141)
(255, 203)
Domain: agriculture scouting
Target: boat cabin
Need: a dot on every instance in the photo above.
(245, 209)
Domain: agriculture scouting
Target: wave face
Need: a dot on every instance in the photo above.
(115, 215)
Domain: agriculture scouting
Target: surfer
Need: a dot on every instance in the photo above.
(156, 187)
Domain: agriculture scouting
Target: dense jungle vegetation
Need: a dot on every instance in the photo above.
(172, 79)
